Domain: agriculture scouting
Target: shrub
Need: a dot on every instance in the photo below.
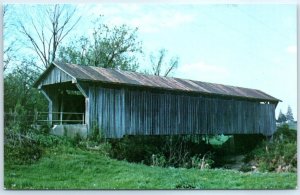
(279, 155)
(20, 148)
(158, 160)
(76, 140)
(135, 148)
(97, 134)
(202, 162)
(44, 129)
(27, 146)
(105, 148)
(175, 151)
(284, 134)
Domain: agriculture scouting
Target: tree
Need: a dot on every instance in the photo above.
(115, 47)
(18, 89)
(159, 65)
(281, 117)
(9, 45)
(46, 33)
(289, 114)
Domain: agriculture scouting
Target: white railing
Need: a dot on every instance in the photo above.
(39, 118)
(60, 117)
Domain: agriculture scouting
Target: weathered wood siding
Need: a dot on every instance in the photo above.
(106, 110)
(166, 114)
(55, 75)
(134, 112)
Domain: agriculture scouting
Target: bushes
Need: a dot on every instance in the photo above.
(284, 134)
(165, 151)
(20, 148)
(279, 155)
(135, 148)
(23, 146)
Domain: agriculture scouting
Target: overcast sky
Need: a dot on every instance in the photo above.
(250, 46)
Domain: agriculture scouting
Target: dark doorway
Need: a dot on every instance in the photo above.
(72, 107)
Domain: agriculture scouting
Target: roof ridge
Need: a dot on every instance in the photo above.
(127, 77)
(148, 75)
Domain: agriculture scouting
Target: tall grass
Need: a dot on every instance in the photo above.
(70, 168)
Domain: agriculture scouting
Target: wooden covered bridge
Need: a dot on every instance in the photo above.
(128, 103)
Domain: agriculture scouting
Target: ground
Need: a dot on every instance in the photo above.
(73, 168)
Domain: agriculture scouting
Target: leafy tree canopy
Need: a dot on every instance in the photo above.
(108, 47)
(18, 89)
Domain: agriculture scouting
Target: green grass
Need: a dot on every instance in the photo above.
(219, 140)
(68, 168)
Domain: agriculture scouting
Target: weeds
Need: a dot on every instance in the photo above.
(164, 151)
(279, 155)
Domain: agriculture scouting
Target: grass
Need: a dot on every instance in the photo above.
(70, 168)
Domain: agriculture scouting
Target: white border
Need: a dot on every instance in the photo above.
(224, 192)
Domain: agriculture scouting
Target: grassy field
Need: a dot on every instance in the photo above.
(69, 168)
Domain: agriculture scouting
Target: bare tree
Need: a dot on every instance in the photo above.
(158, 63)
(45, 35)
(8, 46)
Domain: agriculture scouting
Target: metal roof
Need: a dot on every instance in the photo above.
(98, 74)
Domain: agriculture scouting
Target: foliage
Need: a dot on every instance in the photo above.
(135, 148)
(285, 135)
(18, 89)
(17, 119)
(280, 155)
(289, 114)
(97, 134)
(73, 168)
(204, 162)
(158, 160)
(115, 47)
(281, 117)
(23, 146)
(76, 140)
(165, 151)
(20, 148)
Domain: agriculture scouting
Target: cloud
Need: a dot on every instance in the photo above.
(155, 22)
(292, 49)
(203, 72)
(103, 9)
(144, 17)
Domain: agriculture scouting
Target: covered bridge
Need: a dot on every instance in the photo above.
(129, 103)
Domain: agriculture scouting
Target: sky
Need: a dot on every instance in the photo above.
(251, 46)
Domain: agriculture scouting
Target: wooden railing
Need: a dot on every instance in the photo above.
(44, 118)
(61, 117)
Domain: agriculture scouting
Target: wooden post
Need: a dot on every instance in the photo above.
(84, 90)
(83, 118)
(49, 106)
(50, 113)
(87, 112)
(61, 118)
(61, 109)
